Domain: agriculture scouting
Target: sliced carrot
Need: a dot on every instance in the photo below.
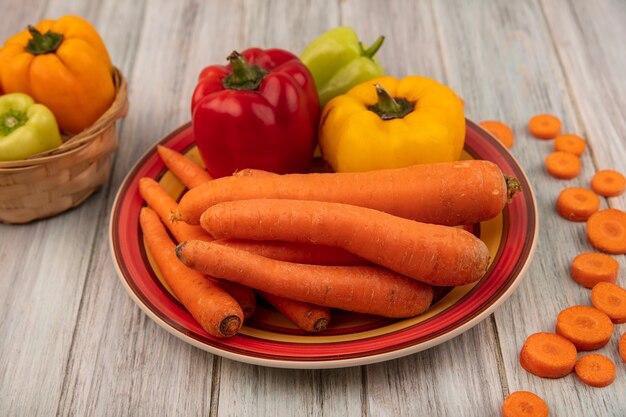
(548, 355)
(563, 165)
(590, 268)
(524, 404)
(500, 131)
(577, 204)
(611, 300)
(187, 171)
(586, 327)
(309, 317)
(608, 183)
(622, 347)
(606, 231)
(544, 126)
(570, 143)
(595, 370)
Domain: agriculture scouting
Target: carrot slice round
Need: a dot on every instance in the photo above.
(544, 126)
(524, 404)
(577, 204)
(606, 231)
(570, 143)
(586, 327)
(590, 268)
(563, 165)
(611, 300)
(622, 347)
(548, 355)
(608, 183)
(500, 131)
(595, 370)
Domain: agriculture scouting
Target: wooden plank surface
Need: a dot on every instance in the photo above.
(72, 342)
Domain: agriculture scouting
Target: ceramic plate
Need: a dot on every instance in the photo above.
(351, 339)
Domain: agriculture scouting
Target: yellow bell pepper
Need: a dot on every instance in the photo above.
(64, 65)
(390, 123)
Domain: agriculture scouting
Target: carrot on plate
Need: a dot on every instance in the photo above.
(216, 311)
(187, 171)
(577, 204)
(309, 317)
(363, 289)
(244, 296)
(586, 327)
(608, 183)
(544, 126)
(595, 370)
(622, 347)
(500, 131)
(611, 300)
(524, 404)
(570, 143)
(606, 231)
(448, 193)
(590, 268)
(548, 355)
(434, 254)
(563, 165)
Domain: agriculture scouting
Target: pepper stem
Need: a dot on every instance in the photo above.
(11, 120)
(388, 107)
(41, 44)
(244, 76)
(371, 51)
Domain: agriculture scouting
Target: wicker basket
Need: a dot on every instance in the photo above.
(52, 182)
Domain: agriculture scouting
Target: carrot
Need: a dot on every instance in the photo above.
(437, 255)
(586, 327)
(548, 355)
(163, 204)
(606, 231)
(611, 300)
(364, 289)
(577, 204)
(524, 404)
(590, 268)
(622, 347)
(216, 311)
(449, 193)
(608, 183)
(187, 171)
(300, 253)
(570, 143)
(243, 295)
(544, 126)
(499, 131)
(595, 370)
(563, 165)
(308, 317)
(253, 172)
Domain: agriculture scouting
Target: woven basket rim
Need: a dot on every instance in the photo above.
(117, 110)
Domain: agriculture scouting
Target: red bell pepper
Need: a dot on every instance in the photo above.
(261, 111)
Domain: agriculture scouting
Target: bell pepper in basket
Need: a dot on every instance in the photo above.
(26, 128)
(390, 123)
(261, 111)
(64, 65)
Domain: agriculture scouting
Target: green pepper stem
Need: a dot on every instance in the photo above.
(244, 76)
(41, 44)
(388, 107)
(371, 51)
(11, 120)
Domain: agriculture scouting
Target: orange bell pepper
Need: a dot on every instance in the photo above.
(64, 65)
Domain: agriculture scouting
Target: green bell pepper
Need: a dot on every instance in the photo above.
(339, 61)
(26, 128)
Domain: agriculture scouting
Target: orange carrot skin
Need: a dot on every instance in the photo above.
(216, 311)
(524, 404)
(163, 204)
(243, 295)
(548, 355)
(187, 171)
(300, 253)
(308, 317)
(363, 289)
(449, 193)
(437, 255)
(622, 347)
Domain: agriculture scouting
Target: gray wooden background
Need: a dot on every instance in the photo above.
(72, 342)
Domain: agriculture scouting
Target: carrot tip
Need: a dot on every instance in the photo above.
(230, 325)
(512, 186)
(320, 325)
(179, 250)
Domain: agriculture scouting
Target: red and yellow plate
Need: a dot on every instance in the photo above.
(351, 339)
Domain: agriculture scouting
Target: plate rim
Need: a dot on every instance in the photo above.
(330, 363)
